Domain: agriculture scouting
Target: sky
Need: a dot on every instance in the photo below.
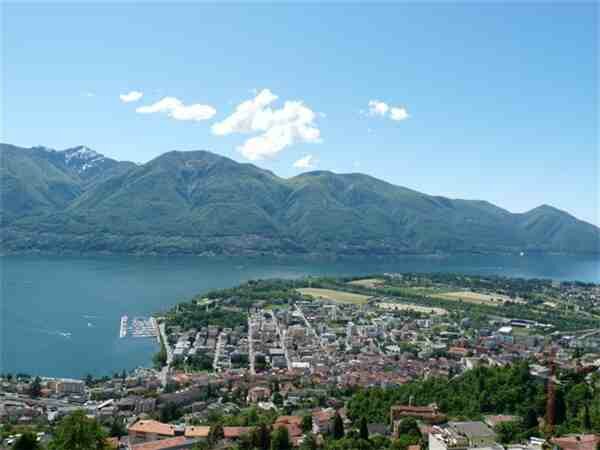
(477, 100)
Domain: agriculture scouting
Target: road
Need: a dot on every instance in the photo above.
(251, 345)
(164, 373)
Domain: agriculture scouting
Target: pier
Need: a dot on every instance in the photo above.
(138, 327)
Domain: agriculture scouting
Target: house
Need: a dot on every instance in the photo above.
(462, 436)
(197, 432)
(478, 434)
(175, 443)
(292, 423)
(323, 420)
(493, 421)
(257, 394)
(234, 433)
(149, 430)
(577, 442)
(428, 414)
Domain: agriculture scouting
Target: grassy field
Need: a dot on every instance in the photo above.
(368, 282)
(475, 297)
(411, 307)
(335, 296)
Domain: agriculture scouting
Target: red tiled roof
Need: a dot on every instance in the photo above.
(196, 432)
(577, 442)
(235, 432)
(163, 444)
(152, 427)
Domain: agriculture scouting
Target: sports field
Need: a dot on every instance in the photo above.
(335, 296)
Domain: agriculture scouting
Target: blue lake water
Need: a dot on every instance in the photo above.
(60, 315)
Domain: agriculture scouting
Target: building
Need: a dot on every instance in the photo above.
(462, 436)
(149, 430)
(258, 393)
(428, 414)
(66, 386)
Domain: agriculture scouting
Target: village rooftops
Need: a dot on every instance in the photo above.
(235, 432)
(197, 432)
(163, 444)
(577, 442)
(152, 427)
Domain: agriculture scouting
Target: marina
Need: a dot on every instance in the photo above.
(138, 327)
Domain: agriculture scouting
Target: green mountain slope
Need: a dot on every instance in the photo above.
(198, 202)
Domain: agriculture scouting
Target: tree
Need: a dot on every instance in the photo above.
(280, 439)
(363, 429)
(78, 432)
(117, 428)
(27, 441)
(277, 399)
(216, 433)
(507, 432)
(338, 427)
(35, 389)
(409, 426)
(263, 437)
(530, 420)
(309, 442)
(307, 423)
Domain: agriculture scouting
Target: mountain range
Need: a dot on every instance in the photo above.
(197, 202)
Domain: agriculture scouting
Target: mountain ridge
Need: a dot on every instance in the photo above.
(199, 202)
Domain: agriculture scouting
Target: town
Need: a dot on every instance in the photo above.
(398, 361)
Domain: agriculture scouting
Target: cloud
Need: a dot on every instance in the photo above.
(382, 109)
(177, 110)
(377, 108)
(132, 96)
(398, 114)
(306, 162)
(89, 94)
(279, 128)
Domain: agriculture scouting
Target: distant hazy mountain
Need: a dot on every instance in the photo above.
(198, 202)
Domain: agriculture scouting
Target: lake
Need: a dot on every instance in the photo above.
(60, 315)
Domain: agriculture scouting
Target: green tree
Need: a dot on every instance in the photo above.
(409, 426)
(27, 441)
(35, 389)
(277, 399)
(117, 428)
(216, 433)
(309, 442)
(307, 423)
(263, 437)
(78, 432)
(363, 429)
(338, 427)
(508, 432)
(280, 439)
(530, 421)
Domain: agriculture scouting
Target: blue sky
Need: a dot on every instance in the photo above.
(494, 101)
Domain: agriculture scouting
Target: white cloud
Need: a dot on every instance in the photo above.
(306, 162)
(132, 96)
(377, 108)
(382, 109)
(280, 128)
(398, 114)
(177, 110)
(89, 94)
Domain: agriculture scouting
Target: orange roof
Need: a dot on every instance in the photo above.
(163, 444)
(414, 447)
(577, 442)
(294, 430)
(152, 427)
(235, 432)
(196, 432)
(288, 420)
